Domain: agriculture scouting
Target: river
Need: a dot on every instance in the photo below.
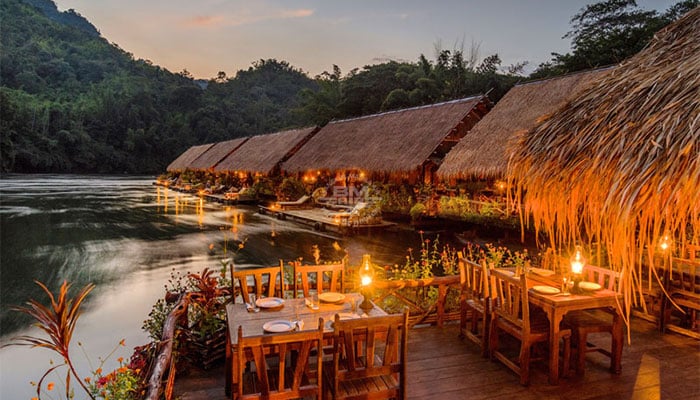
(127, 236)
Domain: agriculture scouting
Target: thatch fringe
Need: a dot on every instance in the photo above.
(620, 165)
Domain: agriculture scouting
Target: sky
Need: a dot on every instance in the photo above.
(208, 36)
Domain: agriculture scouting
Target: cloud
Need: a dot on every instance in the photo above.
(204, 20)
(246, 18)
(300, 13)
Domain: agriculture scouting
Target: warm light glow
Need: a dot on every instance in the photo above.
(366, 271)
(501, 185)
(665, 243)
(577, 261)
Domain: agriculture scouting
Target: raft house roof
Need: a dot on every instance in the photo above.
(393, 141)
(622, 160)
(263, 153)
(185, 159)
(219, 151)
(485, 151)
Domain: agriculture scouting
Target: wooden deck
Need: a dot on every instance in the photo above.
(442, 366)
(321, 219)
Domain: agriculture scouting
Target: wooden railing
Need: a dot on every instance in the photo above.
(432, 313)
(164, 358)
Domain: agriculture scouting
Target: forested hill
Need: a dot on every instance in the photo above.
(70, 101)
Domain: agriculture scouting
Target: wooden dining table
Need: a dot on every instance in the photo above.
(292, 310)
(556, 306)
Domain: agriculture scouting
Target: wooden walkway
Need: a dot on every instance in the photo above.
(322, 219)
(442, 367)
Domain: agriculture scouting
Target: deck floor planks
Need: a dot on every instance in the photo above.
(443, 366)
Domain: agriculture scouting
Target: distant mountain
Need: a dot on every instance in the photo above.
(70, 17)
(72, 102)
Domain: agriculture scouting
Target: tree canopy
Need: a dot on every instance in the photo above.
(608, 32)
(70, 101)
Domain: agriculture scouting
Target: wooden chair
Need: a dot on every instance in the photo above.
(318, 278)
(474, 299)
(357, 370)
(511, 315)
(280, 365)
(264, 282)
(684, 291)
(584, 323)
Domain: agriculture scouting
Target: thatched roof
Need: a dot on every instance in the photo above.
(394, 141)
(485, 151)
(188, 156)
(264, 152)
(215, 154)
(622, 161)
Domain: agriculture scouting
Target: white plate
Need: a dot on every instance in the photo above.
(331, 297)
(545, 289)
(269, 302)
(343, 316)
(589, 286)
(278, 326)
(542, 271)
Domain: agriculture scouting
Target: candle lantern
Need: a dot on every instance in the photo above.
(366, 277)
(577, 263)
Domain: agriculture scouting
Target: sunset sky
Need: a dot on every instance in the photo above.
(208, 36)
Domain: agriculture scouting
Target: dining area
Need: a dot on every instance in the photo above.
(548, 313)
(318, 342)
(516, 317)
(274, 331)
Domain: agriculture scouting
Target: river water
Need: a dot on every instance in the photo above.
(126, 236)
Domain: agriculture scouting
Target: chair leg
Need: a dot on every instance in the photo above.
(485, 336)
(493, 339)
(581, 353)
(566, 364)
(462, 318)
(524, 359)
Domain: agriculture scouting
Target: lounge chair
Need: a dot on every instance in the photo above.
(301, 202)
(362, 213)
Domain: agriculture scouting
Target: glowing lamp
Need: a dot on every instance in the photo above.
(577, 263)
(366, 276)
(665, 243)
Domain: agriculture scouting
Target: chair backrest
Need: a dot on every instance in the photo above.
(685, 276)
(358, 342)
(474, 280)
(276, 379)
(510, 299)
(606, 278)
(319, 278)
(266, 281)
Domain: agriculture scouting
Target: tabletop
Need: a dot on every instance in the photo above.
(293, 310)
